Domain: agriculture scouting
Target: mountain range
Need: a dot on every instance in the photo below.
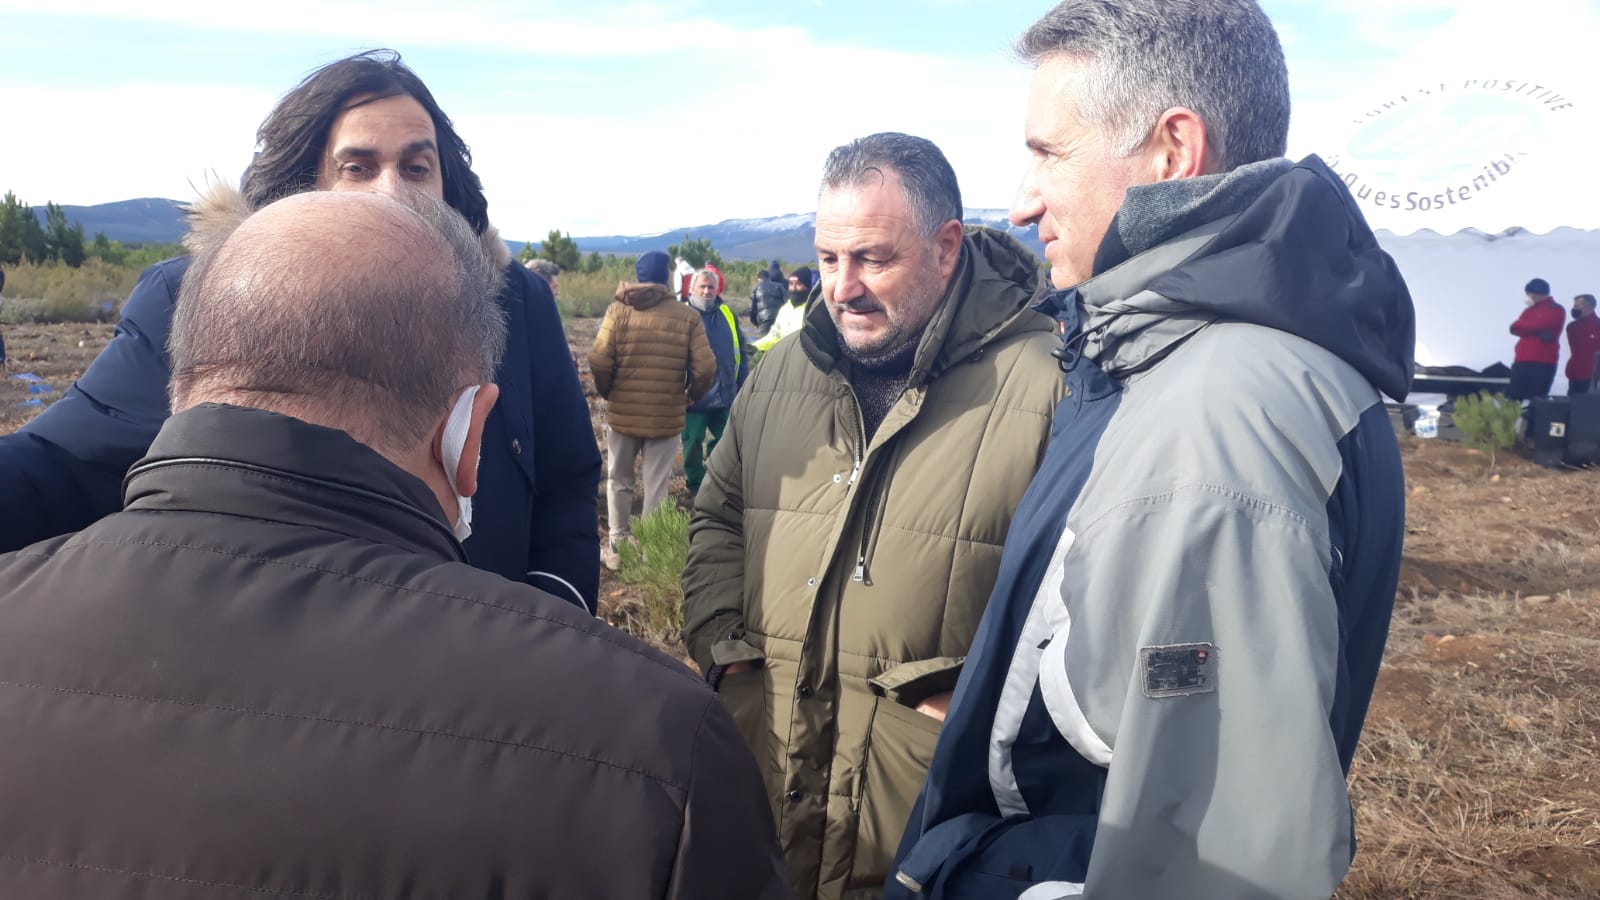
(787, 237)
(147, 220)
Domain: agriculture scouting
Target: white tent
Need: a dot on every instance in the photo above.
(1474, 160)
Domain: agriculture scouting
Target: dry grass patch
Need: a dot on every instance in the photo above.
(1478, 774)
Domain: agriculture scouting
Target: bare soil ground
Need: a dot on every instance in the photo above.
(1479, 771)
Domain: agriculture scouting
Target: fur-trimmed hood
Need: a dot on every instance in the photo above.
(221, 209)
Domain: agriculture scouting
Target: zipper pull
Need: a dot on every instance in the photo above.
(854, 471)
(861, 569)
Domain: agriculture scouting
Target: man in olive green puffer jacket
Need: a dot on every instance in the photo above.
(848, 531)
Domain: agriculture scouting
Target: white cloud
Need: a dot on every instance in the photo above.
(635, 30)
(658, 167)
(140, 140)
(631, 166)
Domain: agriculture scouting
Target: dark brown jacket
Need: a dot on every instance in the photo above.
(650, 360)
(273, 675)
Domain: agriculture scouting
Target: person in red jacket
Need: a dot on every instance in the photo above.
(1583, 340)
(1533, 369)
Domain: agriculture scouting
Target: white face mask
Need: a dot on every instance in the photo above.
(451, 445)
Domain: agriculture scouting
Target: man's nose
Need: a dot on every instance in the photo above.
(846, 284)
(1028, 206)
(387, 182)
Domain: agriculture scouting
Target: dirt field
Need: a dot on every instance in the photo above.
(1479, 772)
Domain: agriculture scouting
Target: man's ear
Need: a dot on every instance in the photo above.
(467, 470)
(947, 242)
(1179, 146)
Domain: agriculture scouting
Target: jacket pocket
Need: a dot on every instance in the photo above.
(745, 697)
(900, 744)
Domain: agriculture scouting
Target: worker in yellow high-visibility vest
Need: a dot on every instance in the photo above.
(793, 314)
(708, 416)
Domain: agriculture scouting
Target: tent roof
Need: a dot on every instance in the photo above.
(1485, 125)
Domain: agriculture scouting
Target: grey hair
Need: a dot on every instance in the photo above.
(1220, 58)
(544, 268)
(929, 183)
(377, 345)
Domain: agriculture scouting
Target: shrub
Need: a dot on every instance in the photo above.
(1488, 422)
(653, 563)
(586, 294)
(56, 292)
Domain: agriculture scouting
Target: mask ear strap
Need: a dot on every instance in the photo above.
(453, 442)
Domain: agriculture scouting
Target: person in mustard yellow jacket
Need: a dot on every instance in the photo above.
(650, 361)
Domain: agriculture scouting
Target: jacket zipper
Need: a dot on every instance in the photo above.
(855, 472)
(869, 527)
(869, 537)
(858, 448)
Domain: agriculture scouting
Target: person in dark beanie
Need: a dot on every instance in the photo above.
(650, 361)
(800, 281)
(775, 273)
(792, 315)
(1538, 329)
(1583, 345)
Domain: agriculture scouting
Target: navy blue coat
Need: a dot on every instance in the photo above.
(535, 514)
(733, 357)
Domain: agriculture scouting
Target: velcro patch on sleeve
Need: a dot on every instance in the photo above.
(1178, 670)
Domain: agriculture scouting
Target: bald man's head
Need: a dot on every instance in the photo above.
(351, 310)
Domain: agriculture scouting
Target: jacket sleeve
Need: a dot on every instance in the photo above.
(713, 576)
(774, 334)
(563, 547)
(1243, 762)
(745, 352)
(702, 362)
(64, 469)
(602, 356)
(1551, 320)
(1222, 773)
(728, 845)
(1540, 321)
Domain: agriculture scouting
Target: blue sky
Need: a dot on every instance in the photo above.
(594, 117)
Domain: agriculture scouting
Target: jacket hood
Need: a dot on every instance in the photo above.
(217, 212)
(988, 298)
(644, 296)
(1275, 244)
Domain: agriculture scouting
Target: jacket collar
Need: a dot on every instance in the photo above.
(1287, 249)
(262, 465)
(987, 299)
(644, 295)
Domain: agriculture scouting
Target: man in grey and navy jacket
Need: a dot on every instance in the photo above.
(1169, 681)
